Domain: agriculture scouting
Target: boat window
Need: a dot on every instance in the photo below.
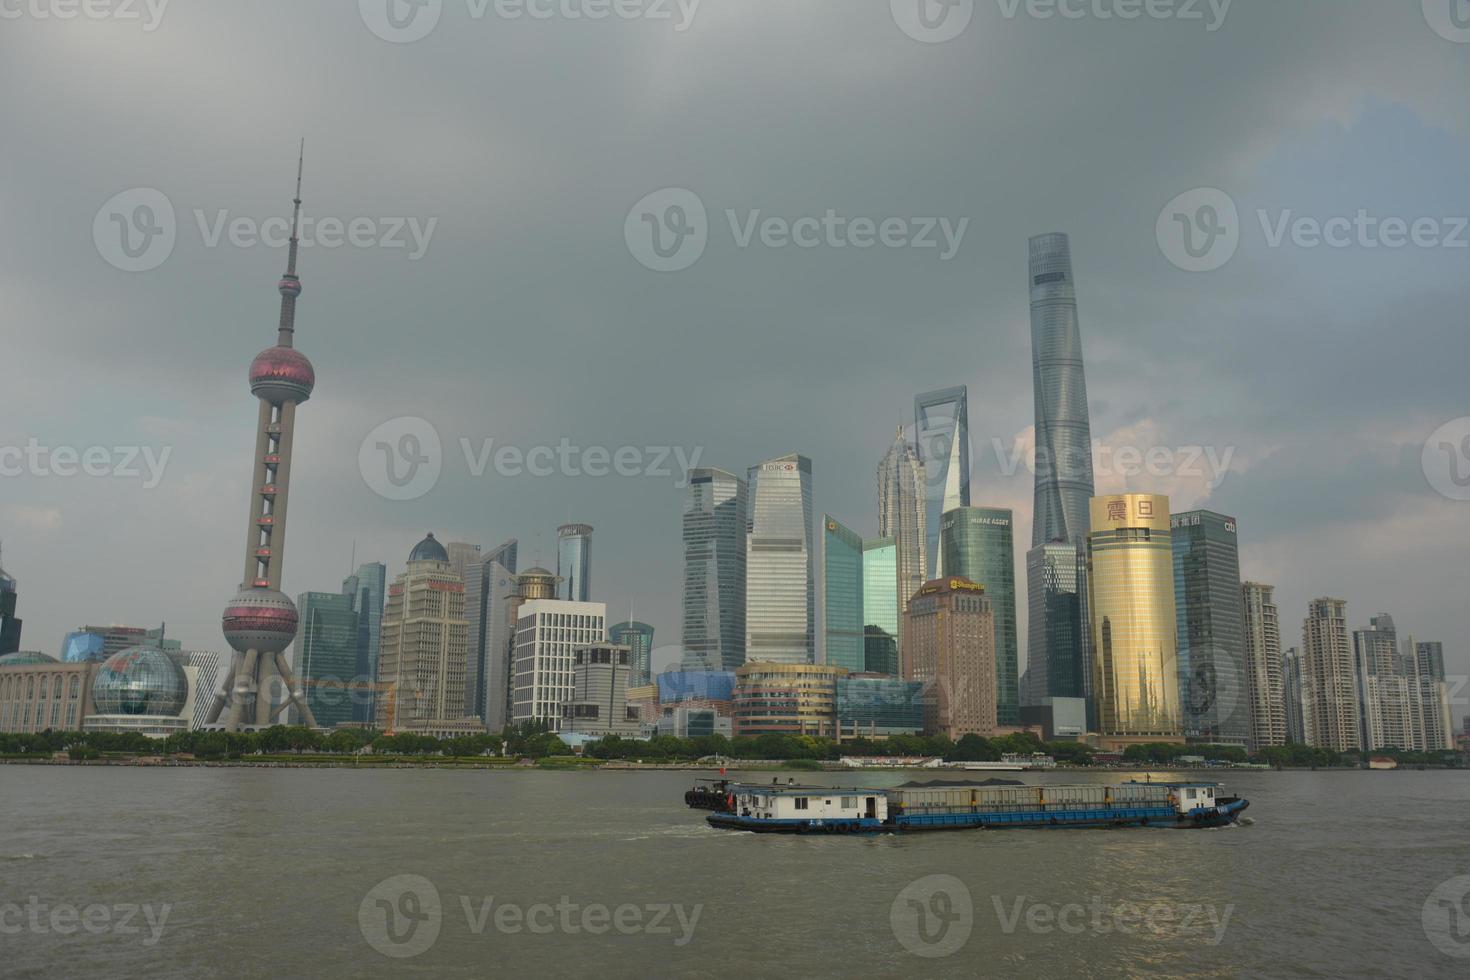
(801, 802)
(849, 803)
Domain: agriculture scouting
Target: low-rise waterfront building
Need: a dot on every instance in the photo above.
(786, 699)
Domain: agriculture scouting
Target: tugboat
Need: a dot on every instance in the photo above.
(795, 809)
(710, 794)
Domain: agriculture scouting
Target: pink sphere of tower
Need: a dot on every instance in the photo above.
(260, 619)
(282, 374)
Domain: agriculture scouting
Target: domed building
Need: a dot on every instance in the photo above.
(429, 549)
(142, 690)
(26, 658)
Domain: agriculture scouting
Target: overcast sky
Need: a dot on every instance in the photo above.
(525, 311)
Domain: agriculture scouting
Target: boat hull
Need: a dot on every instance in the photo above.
(1227, 812)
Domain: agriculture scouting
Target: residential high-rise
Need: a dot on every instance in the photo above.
(9, 625)
(1387, 715)
(367, 587)
(1432, 696)
(1291, 685)
(574, 562)
(1057, 663)
(425, 645)
(598, 705)
(547, 633)
(1265, 682)
(714, 530)
(881, 606)
(976, 544)
(1210, 619)
(950, 648)
(901, 515)
(325, 655)
(1329, 681)
(638, 638)
(843, 640)
(942, 428)
(1130, 579)
(260, 622)
(1063, 431)
(780, 593)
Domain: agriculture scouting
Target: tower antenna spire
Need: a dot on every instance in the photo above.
(291, 283)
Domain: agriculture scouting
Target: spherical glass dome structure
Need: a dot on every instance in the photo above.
(140, 681)
(25, 658)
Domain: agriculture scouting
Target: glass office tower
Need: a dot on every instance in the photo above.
(1063, 431)
(326, 656)
(975, 543)
(881, 609)
(574, 562)
(1130, 577)
(714, 530)
(780, 594)
(638, 637)
(1210, 618)
(901, 514)
(843, 640)
(1057, 663)
(942, 427)
(367, 588)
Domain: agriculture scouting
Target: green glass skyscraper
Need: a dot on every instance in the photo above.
(843, 639)
(326, 655)
(880, 606)
(639, 638)
(975, 543)
(1210, 617)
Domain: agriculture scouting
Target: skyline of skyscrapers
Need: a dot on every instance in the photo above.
(942, 433)
(715, 524)
(780, 590)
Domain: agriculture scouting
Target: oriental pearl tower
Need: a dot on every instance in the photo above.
(260, 621)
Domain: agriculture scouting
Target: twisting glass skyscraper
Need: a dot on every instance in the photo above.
(901, 514)
(942, 428)
(715, 518)
(780, 593)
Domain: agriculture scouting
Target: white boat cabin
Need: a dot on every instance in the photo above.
(1189, 797)
(810, 803)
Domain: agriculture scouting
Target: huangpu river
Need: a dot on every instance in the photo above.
(235, 872)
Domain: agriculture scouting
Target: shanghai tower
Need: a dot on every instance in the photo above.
(1056, 642)
(1063, 433)
(260, 622)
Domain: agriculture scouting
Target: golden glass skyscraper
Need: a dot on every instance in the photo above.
(1130, 577)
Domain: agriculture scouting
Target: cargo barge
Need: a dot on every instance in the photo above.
(954, 806)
